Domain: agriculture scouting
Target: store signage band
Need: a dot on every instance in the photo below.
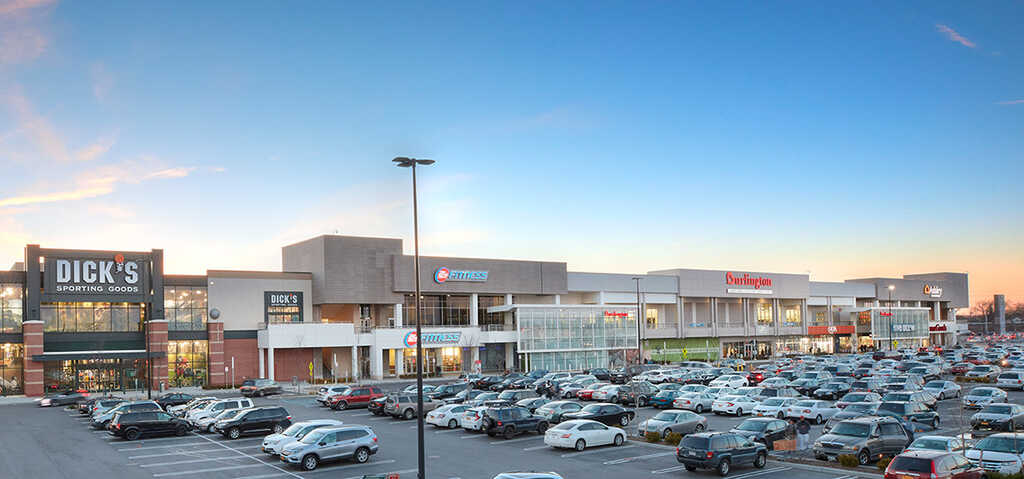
(932, 291)
(283, 298)
(444, 274)
(903, 328)
(96, 277)
(411, 339)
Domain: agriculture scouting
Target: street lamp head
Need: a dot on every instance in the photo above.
(892, 287)
(404, 162)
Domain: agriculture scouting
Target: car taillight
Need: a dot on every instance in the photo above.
(710, 454)
(499, 423)
(677, 451)
(687, 401)
(565, 436)
(728, 404)
(374, 438)
(808, 411)
(289, 418)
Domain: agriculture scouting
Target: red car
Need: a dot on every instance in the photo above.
(932, 465)
(960, 368)
(587, 394)
(356, 396)
(755, 377)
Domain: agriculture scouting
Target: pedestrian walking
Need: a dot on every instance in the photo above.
(803, 434)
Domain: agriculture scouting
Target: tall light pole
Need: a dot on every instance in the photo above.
(639, 352)
(891, 287)
(411, 163)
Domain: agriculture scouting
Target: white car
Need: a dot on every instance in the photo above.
(578, 434)
(181, 409)
(718, 392)
(609, 393)
(943, 389)
(937, 443)
(696, 402)
(1011, 380)
(273, 443)
(735, 404)
(774, 407)
(216, 407)
(207, 423)
(752, 391)
(473, 419)
(729, 380)
(656, 376)
(1003, 453)
(449, 416)
(328, 391)
(694, 388)
(776, 382)
(980, 397)
(812, 409)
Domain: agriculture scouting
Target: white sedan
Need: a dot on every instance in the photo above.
(578, 434)
(812, 409)
(718, 392)
(774, 407)
(473, 419)
(694, 388)
(734, 404)
(449, 415)
(729, 380)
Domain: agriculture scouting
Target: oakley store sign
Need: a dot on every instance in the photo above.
(114, 277)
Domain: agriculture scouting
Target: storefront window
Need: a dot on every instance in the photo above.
(793, 314)
(185, 308)
(11, 308)
(438, 310)
(487, 320)
(94, 375)
(764, 314)
(187, 363)
(820, 318)
(91, 317)
(576, 328)
(11, 367)
(652, 318)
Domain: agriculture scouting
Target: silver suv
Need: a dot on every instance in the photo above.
(404, 406)
(865, 438)
(331, 443)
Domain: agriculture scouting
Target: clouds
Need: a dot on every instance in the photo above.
(1011, 102)
(43, 139)
(21, 33)
(952, 35)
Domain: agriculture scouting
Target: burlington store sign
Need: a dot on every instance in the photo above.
(748, 284)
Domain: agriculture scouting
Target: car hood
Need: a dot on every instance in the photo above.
(277, 439)
(579, 414)
(844, 440)
(976, 454)
(658, 422)
(848, 415)
(979, 398)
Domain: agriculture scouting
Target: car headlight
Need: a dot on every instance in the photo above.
(817, 444)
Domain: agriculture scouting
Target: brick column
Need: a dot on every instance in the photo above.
(32, 336)
(157, 332)
(215, 338)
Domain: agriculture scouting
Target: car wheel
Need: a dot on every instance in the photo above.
(210, 429)
(257, 394)
(581, 445)
(664, 433)
(624, 420)
(453, 424)
(780, 415)
(739, 412)
(942, 396)
(542, 427)
(362, 455)
(818, 419)
(699, 409)
(310, 462)
(234, 433)
(723, 467)
(935, 423)
(408, 414)
(508, 433)
(343, 405)
(863, 457)
(821, 458)
(181, 431)
(131, 434)
(278, 429)
(699, 428)
(690, 468)
(760, 460)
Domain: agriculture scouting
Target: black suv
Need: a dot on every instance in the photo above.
(133, 425)
(720, 451)
(446, 391)
(622, 376)
(258, 419)
(173, 399)
(509, 421)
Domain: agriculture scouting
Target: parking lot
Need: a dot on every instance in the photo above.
(55, 442)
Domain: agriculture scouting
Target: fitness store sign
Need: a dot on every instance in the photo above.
(114, 277)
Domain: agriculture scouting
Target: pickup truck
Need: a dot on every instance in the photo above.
(511, 421)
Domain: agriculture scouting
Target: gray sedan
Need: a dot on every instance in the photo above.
(674, 420)
(696, 402)
(943, 389)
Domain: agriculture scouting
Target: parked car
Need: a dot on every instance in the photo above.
(532, 404)
(697, 402)
(173, 399)
(412, 388)
(63, 398)
(943, 389)
(928, 372)
(998, 417)
(216, 407)
(446, 391)
(784, 392)
(765, 430)
(987, 371)
(273, 443)
(831, 390)
(570, 390)
(729, 380)
(674, 421)
(587, 393)
(207, 423)
(664, 399)
(100, 421)
(775, 382)
(578, 434)
(513, 395)
(773, 407)
(938, 443)
(601, 374)
(814, 410)
(606, 413)
(255, 420)
(850, 398)
(259, 387)
(406, 406)
(486, 382)
(99, 406)
(734, 404)
(932, 464)
(511, 421)
(1011, 380)
(610, 393)
(376, 406)
(923, 397)
(133, 425)
(622, 376)
(865, 438)
(909, 411)
(960, 368)
(805, 386)
(720, 451)
(180, 411)
(1002, 453)
(464, 396)
(980, 397)
(552, 412)
(851, 411)
(331, 443)
(869, 385)
(448, 415)
(637, 392)
(355, 397)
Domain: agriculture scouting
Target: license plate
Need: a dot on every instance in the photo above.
(984, 423)
(691, 453)
(760, 414)
(283, 459)
(905, 476)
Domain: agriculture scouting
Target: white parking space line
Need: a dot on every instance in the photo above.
(196, 453)
(509, 441)
(208, 459)
(345, 466)
(535, 448)
(596, 451)
(212, 469)
(385, 472)
(379, 418)
(261, 463)
(668, 470)
(447, 431)
(365, 414)
(761, 472)
(638, 458)
(142, 448)
(475, 436)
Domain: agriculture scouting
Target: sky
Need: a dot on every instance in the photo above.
(842, 140)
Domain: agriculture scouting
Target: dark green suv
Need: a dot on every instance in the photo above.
(720, 451)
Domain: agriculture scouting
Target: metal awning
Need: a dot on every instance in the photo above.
(70, 355)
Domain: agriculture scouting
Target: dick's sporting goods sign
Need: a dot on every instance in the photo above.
(94, 276)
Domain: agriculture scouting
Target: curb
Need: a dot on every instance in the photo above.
(828, 470)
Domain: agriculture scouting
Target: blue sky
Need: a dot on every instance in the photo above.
(855, 140)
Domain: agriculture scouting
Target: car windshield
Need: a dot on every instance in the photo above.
(507, 395)
(755, 426)
(929, 443)
(665, 394)
(897, 397)
(313, 437)
(608, 388)
(911, 464)
(805, 404)
(1001, 444)
(982, 392)
(892, 407)
(996, 410)
(563, 426)
(592, 408)
(854, 397)
(851, 429)
(935, 385)
(868, 408)
(665, 416)
(772, 402)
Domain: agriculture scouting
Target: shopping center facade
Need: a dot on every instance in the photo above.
(342, 308)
